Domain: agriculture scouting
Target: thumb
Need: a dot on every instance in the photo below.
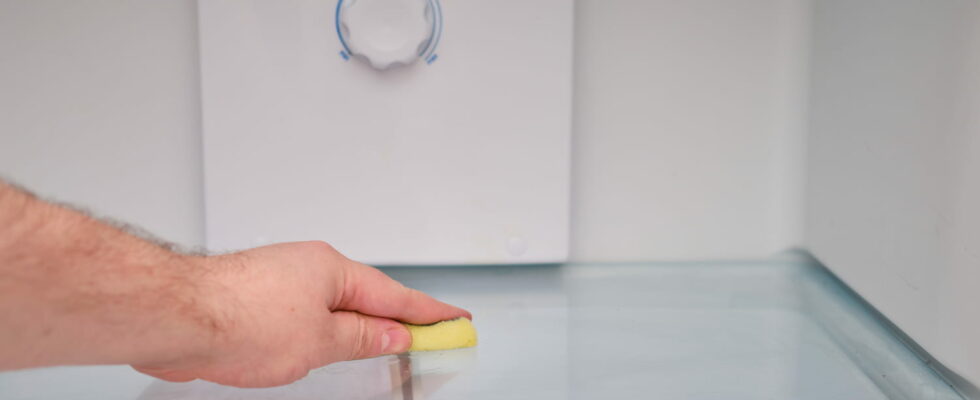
(356, 336)
(169, 375)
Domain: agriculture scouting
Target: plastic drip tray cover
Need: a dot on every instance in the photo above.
(773, 329)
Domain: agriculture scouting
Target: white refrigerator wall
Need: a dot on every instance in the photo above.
(464, 160)
(687, 120)
(688, 128)
(99, 107)
(894, 164)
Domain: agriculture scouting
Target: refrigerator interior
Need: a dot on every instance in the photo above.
(700, 130)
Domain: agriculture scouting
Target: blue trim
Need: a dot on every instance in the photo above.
(438, 16)
(432, 34)
(428, 52)
(336, 22)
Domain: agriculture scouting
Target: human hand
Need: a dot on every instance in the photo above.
(279, 311)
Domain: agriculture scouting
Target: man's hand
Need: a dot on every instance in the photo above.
(76, 291)
(285, 309)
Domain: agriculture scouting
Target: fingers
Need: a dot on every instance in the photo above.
(369, 291)
(353, 336)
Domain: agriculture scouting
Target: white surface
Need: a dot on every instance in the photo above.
(678, 115)
(427, 164)
(894, 170)
(688, 126)
(99, 107)
(753, 330)
(387, 32)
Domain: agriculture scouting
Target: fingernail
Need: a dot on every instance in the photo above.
(395, 340)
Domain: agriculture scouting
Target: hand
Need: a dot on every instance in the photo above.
(279, 311)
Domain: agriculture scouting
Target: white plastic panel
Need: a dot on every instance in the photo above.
(464, 160)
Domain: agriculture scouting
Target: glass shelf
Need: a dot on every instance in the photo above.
(782, 328)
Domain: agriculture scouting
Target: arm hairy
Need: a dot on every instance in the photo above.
(75, 290)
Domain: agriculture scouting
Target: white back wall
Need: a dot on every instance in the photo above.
(688, 128)
(99, 106)
(687, 120)
(894, 164)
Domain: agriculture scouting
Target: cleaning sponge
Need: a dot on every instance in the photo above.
(445, 335)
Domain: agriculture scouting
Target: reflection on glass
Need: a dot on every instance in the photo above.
(405, 377)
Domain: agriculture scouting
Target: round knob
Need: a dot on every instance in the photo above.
(386, 32)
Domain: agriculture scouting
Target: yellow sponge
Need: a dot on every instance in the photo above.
(445, 335)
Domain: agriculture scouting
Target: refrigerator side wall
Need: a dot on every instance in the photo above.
(894, 164)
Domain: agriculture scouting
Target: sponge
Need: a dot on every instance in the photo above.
(452, 334)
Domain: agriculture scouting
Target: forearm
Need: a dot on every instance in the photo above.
(74, 290)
